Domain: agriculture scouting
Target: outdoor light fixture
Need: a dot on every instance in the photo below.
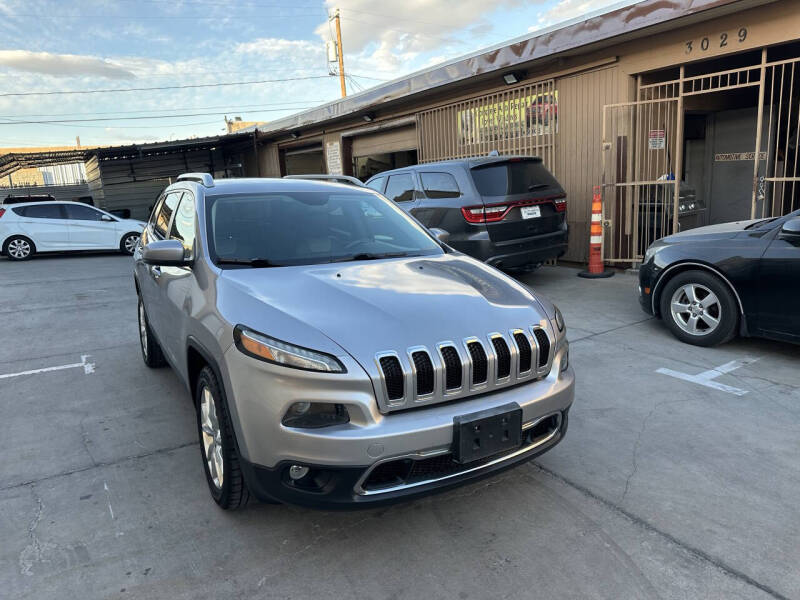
(512, 78)
(368, 117)
(295, 135)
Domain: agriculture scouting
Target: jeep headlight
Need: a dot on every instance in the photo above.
(560, 326)
(269, 349)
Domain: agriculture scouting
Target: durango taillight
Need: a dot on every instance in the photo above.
(484, 214)
(560, 203)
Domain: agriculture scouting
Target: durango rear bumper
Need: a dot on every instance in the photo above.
(519, 253)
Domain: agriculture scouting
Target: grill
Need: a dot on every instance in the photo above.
(452, 367)
(544, 346)
(524, 347)
(479, 363)
(424, 368)
(503, 357)
(393, 374)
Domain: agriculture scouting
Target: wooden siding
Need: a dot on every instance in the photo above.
(579, 161)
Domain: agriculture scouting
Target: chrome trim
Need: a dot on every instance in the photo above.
(544, 370)
(508, 378)
(390, 404)
(555, 434)
(523, 375)
(489, 364)
(694, 264)
(455, 391)
(436, 374)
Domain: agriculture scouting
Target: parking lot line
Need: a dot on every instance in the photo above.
(88, 367)
(706, 378)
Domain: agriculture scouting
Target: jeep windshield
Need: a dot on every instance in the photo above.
(305, 228)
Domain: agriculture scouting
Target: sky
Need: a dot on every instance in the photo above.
(93, 45)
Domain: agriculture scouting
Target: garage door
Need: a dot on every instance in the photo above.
(393, 140)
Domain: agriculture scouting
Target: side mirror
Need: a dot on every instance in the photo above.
(791, 228)
(106, 218)
(165, 253)
(440, 234)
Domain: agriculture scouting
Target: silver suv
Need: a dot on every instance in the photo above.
(337, 352)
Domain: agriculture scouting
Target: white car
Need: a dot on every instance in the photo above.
(31, 227)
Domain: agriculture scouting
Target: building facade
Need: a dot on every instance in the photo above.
(685, 112)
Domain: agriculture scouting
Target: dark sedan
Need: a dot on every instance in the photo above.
(710, 283)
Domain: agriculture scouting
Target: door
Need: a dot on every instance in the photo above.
(779, 285)
(46, 225)
(175, 283)
(149, 275)
(400, 189)
(90, 229)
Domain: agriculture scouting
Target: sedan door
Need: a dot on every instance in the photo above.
(91, 229)
(779, 284)
(46, 225)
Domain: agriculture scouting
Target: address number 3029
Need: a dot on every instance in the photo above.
(724, 39)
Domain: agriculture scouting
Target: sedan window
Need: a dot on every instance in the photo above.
(44, 211)
(311, 228)
(78, 212)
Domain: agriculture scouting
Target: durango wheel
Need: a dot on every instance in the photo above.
(19, 248)
(128, 243)
(699, 308)
(217, 445)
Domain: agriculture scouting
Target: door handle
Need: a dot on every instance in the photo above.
(155, 271)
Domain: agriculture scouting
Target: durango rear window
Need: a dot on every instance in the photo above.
(509, 178)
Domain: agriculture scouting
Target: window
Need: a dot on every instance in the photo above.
(439, 185)
(183, 225)
(165, 213)
(44, 211)
(400, 188)
(377, 184)
(518, 176)
(78, 212)
(302, 228)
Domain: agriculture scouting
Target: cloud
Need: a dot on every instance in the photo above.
(390, 42)
(272, 47)
(62, 65)
(570, 9)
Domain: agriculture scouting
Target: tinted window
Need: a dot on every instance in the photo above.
(312, 227)
(439, 185)
(517, 177)
(400, 188)
(44, 211)
(165, 213)
(183, 225)
(377, 184)
(78, 212)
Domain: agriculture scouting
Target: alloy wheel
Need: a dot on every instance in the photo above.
(130, 243)
(696, 309)
(212, 437)
(19, 248)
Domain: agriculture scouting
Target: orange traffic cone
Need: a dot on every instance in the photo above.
(596, 269)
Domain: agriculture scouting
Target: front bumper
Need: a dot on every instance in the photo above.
(346, 452)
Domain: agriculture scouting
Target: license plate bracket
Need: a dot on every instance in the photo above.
(486, 433)
(531, 212)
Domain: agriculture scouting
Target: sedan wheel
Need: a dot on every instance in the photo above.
(699, 308)
(129, 242)
(19, 248)
(696, 309)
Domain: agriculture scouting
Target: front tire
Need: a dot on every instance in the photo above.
(699, 309)
(19, 247)
(151, 352)
(127, 244)
(217, 445)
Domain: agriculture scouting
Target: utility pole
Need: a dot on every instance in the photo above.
(339, 52)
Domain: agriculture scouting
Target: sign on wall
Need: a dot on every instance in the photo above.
(733, 156)
(657, 139)
(508, 116)
(333, 158)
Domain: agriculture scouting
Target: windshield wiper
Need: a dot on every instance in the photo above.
(248, 262)
(370, 256)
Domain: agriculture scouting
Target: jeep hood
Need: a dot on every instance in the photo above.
(368, 307)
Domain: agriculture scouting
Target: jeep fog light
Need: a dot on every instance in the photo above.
(313, 415)
(297, 472)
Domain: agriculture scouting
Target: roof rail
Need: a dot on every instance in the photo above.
(203, 179)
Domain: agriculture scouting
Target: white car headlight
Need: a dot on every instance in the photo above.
(266, 348)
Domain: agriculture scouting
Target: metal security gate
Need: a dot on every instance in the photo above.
(641, 153)
(521, 120)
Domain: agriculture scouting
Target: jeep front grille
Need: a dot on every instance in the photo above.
(419, 376)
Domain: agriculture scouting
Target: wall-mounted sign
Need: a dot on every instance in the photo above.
(333, 158)
(657, 139)
(508, 117)
(731, 156)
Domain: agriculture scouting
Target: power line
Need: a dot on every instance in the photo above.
(166, 87)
